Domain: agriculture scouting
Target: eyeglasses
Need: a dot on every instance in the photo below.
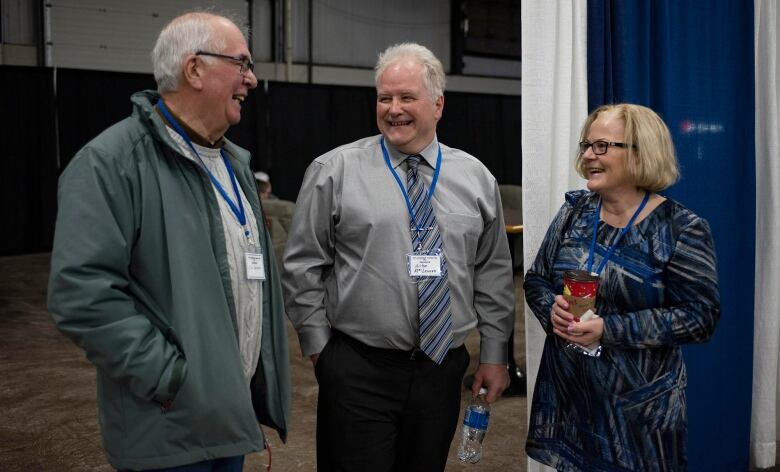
(600, 147)
(244, 62)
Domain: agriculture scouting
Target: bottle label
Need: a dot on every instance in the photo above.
(476, 419)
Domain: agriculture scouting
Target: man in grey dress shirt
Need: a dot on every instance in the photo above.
(383, 403)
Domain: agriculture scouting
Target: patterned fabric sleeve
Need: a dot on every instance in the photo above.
(538, 286)
(692, 306)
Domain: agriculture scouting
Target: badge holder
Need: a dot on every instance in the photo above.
(425, 264)
(253, 260)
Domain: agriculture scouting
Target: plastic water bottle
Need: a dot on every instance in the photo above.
(475, 423)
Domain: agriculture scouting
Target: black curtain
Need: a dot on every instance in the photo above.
(28, 183)
(284, 125)
(488, 128)
(88, 102)
(303, 121)
(247, 132)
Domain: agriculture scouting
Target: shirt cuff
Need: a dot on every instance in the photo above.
(313, 340)
(493, 351)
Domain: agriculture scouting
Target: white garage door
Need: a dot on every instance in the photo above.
(114, 35)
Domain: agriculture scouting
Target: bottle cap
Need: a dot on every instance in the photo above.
(482, 391)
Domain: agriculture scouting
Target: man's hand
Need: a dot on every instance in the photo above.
(494, 377)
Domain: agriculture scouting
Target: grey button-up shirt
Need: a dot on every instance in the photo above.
(345, 257)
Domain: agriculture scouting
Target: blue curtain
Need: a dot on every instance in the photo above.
(692, 62)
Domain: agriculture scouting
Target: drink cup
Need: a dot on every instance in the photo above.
(579, 289)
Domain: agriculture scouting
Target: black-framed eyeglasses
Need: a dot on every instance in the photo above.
(600, 147)
(244, 62)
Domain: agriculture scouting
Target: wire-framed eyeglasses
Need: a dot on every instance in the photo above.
(600, 147)
(244, 62)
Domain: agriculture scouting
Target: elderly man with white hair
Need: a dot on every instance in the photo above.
(396, 251)
(163, 272)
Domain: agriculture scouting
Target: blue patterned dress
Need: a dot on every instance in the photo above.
(624, 410)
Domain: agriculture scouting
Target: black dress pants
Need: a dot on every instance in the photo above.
(385, 409)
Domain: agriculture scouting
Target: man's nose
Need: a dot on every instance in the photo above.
(250, 79)
(395, 106)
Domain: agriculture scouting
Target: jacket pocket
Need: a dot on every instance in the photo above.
(658, 405)
(653, 419)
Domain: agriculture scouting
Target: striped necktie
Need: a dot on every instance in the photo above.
(433, 293)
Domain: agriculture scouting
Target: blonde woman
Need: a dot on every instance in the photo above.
(620, 404)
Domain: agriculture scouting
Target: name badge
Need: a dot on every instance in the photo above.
(424, 265)
(255, 269)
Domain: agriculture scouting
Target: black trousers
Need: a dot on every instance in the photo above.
(385, 409)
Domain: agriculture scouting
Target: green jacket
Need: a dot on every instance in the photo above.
(140, 280)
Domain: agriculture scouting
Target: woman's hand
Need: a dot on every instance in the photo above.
(559, 316)
(583, 333)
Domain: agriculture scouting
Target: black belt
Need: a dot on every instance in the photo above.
(410, 354)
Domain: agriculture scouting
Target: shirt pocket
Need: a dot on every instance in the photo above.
(461, 234)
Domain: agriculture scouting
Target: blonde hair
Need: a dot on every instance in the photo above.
(651, 159)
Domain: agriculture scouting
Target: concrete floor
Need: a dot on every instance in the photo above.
(47, 393)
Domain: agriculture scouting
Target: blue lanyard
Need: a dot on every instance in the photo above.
(622, 233)
(237, 210)
(403, 187)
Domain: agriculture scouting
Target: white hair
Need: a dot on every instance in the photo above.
(433, 72)
(184, 35)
